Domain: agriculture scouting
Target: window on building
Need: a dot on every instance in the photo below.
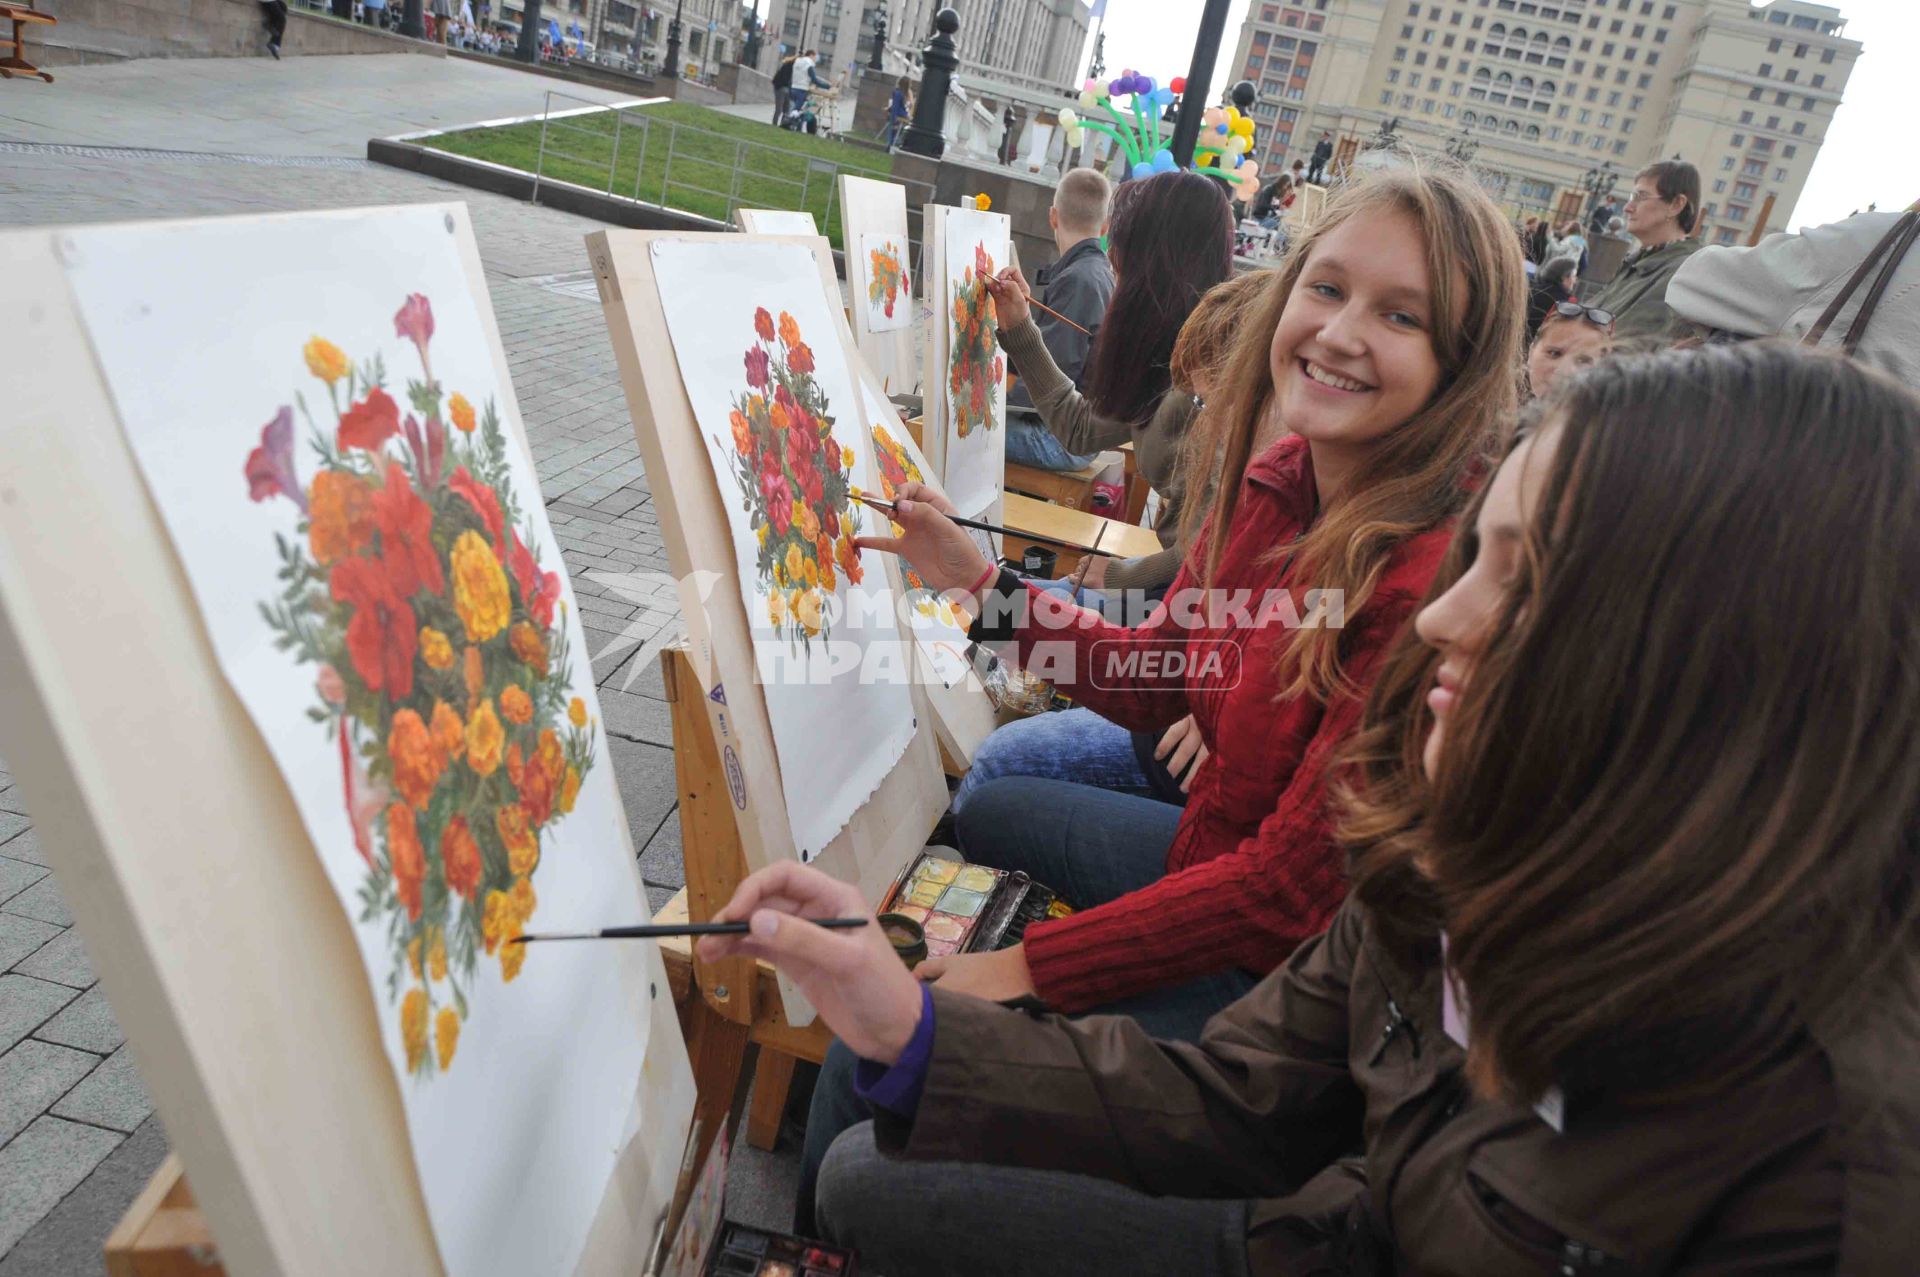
(1420, 58)
(1746, 117)
(1726, 162)
(1737, 212)
(1799, 50)
(1793, 75)
(1799, 128)
(1386, 97)
(1720, 186)
(1766, 70)
(1819, 81)
(1753, 95)
(1789, 151)
(1727, 235)
(1806, 104)
(1826, 55)
(1773, 46)
(1626, 125)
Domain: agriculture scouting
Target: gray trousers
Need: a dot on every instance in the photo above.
(935, 1219)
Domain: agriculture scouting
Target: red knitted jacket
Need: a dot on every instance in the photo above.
(1253, 869)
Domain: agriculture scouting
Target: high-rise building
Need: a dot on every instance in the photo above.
(1033, 44)
(1558, 101)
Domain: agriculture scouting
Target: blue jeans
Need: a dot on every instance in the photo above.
(1091, 846)
(1072, 745)
(1032, 444)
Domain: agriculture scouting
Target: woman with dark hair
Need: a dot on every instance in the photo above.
(1661, 214)
(1629, 980)
(1553, 285)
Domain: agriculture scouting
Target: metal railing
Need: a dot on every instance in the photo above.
(688, 168)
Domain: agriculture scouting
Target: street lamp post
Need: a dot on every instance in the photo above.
(528, 50)
(879, 37)
(412, 20)
(1193, 103)
(1598, 182)
(672, 69)
(750, 50)
(927, 134)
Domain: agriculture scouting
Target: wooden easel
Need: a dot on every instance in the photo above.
(725, 1007)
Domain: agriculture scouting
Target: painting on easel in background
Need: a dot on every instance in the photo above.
(938, 628)
(777, 407)
(974, 378)
(889, 285)
(376, 571)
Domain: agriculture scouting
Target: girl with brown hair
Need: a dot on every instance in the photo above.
(1386, 347)
(1630, 977)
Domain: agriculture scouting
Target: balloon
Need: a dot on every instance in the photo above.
(1143, 169)
(1238, 145)
(1164, 97)
(1238, 159)
(1147, 84)
(1212, 116)
(1248, 181)
(1221, 129)
(1243, 126)
(1089, 99)
(1163, 161)
(1090, 86)
(1116, 87)
(1068, 117)
(1178, 84)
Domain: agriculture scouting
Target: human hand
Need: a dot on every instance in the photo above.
(1182, 750)
(936, 547)
(853, 978)
(1011, 292)
(1093, 572)
(998, 976)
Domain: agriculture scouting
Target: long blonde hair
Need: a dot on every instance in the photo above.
(1418, 476)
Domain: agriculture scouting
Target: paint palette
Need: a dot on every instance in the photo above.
(969, 908)
(750, 1252)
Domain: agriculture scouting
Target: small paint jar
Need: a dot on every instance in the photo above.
(907, 937)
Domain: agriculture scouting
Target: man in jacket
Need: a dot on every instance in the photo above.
(1078, 284)
(782, 82)
(1322, 153)
(1782, 287)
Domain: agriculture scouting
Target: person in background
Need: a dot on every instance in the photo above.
(1603, 214)
(899, 110)
(1322, 153)
(1572, 338)
(806, 78)
(1661, 214)
(1552, 285)
(1540, 242)
(273, 13)
(1273, 201)
(1785, 284)
(1627, 981)
(373, 12)
(1298, 173)
(1568, 245)
(442, 11)
(782, 87)
(1526, 239)
(1079, 285)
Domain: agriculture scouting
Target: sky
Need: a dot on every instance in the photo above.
(1859, 164)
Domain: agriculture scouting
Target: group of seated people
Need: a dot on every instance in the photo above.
(1547, 903)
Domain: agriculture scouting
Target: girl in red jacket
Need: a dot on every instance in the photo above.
(1386, 347)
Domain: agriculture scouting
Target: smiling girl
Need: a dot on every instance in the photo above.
(1630, 978)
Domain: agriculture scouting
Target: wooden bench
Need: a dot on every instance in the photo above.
(1070, 488)
(1077, 527)
(22, 16)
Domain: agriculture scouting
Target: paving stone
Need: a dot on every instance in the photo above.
(662, 861)
(637, 717)
(12, 800)
(112, 1095)
(25, 845)
(647, 790)
(16, 876)
(20, 937)
(68, 1239)
(63, 960)
(43, 1164)
(41, 900)
(11, 824)
(87, 1024)
(27, 1003)
(657, 898)
(32, 1076)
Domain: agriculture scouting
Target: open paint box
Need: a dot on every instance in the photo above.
(969, 908)
(750, 1252)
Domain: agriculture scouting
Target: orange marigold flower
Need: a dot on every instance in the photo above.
(523, 847)
(516, 706)
(512, 958)
(778, 415)
(763, 324)
(742, 433)
(462, 413)
(448, 731)
(789, 329)
(516, 765)
(569, 790)
(404, 854)
(498, 921)
(523, 899)
(417, 758)
(437, 957)
(528, 644)
(480, 593)
(577, 712)
(340, 517)
(435, 648)
(413, 959)
(325, 360)
(460, 854)
(473, 671)
(542, 778)
(485, 739)
(413, 1027)
(446, 1034)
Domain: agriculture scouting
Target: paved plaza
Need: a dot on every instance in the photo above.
(181, 139)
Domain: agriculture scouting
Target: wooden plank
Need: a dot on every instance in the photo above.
(1024, 514)
(772, 1078)
(1070, 488)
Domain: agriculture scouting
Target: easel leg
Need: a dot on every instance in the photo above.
(773, 1076)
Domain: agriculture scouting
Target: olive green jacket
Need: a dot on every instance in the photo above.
(1638, 295)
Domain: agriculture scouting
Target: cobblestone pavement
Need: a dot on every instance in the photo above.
(77, 1134)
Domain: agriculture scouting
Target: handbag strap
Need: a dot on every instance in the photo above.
(1893, 247)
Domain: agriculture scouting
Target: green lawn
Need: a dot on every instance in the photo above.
(704, 153)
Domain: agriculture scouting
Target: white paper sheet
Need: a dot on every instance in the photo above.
(975, 377)
(777, 221)
(885, 274)
(784, 426)
(232, 350)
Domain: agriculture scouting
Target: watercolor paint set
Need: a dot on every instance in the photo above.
(965, 908)
(753, 1252)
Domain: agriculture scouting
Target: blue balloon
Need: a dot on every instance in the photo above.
(1147, 85)
(1238, 160)
(1221, 129)
(1143, 169)
(1163, 96)
(1163, 162)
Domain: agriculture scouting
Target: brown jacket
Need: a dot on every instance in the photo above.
(1332, 1096)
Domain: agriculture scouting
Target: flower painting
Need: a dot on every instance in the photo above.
(889, 287)
(792, 473)
(759, 350)
(976, 247)
(439, 667)
(340, 467)
(898, 467)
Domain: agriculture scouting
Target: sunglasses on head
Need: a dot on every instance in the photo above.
(1593, 314)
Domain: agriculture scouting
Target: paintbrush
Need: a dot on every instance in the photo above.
(1037, 304)
(678, 929)
(886, 507)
